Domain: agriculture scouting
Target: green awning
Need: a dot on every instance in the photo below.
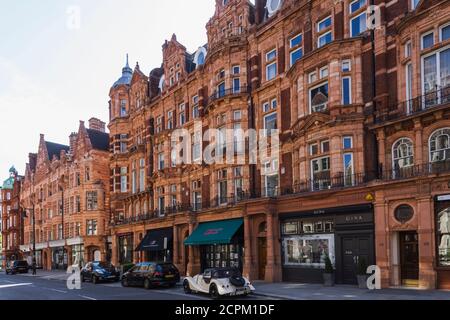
(218, 232)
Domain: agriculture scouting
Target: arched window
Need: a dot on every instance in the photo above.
(200, 56)
(440, 145)
(402, 154)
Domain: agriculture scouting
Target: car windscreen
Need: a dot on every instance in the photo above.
(167, 267)
(103, 265)
(22, 264)
(225, 273)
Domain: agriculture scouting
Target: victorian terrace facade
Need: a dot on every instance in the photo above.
(345, 184)
(66, 192)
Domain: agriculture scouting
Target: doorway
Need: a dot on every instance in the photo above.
(354, 249)
(262, 258)
(409, 259)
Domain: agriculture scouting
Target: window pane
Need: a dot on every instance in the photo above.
(296, 41)
(445, 33)
(428, 41)
(346, 91)
(324, 24)
(296, 55)
(445, 69)
(358, 25)
(271, 55)
(319, 98)
(355, 6)
(430, 73)
(326, 38)
(271, 71)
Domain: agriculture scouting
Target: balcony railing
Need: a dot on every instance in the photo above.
(323, 184)
(219, 94)
(414, 106)
(434, 168)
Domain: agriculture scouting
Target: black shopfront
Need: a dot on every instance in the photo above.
(344, 234)
(157, 245)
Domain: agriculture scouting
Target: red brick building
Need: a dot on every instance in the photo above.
(363, 118)
(12, 219)
(67, 186)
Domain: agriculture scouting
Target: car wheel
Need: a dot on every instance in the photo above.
(214, 292)
(125, 282)
(94, 279)
(187, 287)
(147, 284)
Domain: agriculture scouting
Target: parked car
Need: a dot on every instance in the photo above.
(151, 274)
(13, 267)
(219, 282)
(99, 271)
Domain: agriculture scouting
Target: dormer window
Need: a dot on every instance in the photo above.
(273, 6)
(200, 56)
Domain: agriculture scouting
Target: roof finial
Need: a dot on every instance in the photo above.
(127, 65)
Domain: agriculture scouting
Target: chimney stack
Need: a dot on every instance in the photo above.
(97, 125)
(73, 140)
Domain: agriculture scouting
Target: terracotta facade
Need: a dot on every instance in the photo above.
(67, 187)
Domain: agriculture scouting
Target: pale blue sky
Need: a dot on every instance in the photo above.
(52, 76)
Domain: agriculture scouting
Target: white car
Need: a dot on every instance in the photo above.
(219, 282)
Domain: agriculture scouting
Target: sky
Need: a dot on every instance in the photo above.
(59, 58)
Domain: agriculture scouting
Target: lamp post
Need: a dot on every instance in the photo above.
(61, 188)
(33, 217)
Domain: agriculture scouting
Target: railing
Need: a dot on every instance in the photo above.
(433, 168)
(340, 182)
(219, 94)
(414, 106)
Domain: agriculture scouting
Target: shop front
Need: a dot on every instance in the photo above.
(345, 235)
(76, 251)
(59, 255)
(442, 212)
(221, 243)
(125, 247)
(157, 245)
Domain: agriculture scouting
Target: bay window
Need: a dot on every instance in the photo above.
(91, 200)
(427, 40)
(91, 226)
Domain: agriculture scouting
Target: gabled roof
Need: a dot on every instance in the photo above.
(54, 149)
(99, 140)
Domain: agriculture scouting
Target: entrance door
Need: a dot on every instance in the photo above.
(262, 258)
(409, 258)
(354, 248)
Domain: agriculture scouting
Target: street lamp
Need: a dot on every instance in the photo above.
(62, 183)
(34, 231)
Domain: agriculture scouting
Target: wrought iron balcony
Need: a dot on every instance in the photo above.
(341, 181)
(220, 94)
(423, 170)
(414, 106)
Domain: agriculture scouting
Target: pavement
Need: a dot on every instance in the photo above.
(56, 283)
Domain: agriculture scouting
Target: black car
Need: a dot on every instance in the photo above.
(99, 271)
(13, 267)
(151, 274)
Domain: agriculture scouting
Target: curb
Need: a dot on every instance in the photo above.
(267, 295)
